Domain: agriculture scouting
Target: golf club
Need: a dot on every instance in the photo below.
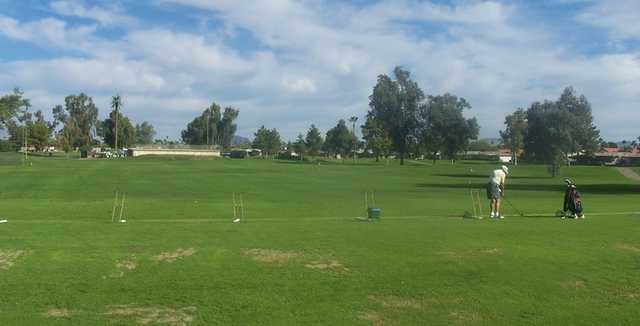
(510, 204)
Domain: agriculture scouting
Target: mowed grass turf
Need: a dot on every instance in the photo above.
(300, 257)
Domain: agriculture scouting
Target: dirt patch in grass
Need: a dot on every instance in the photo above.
(394, 302)
(125, 265)
(628, 247)
(390, 304)
(272, 256)
(59, 313)
(153, 315)
(375, 318)
(172, 256)
(465, 317)
(626, 292)
(630, 295)
(327, 265)
(576, 285)
(8, 258)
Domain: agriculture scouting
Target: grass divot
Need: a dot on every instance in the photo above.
(314, 261)
(628, 247)
(153, 315)
(626, 292)
(575, 285)
(394, 302)
(375, 318)
(465, 317)
(631, 295)
(272, 256)
(60, 313)
(172, 256)
(390, 304)
(125, 265)
(327, 265)
(8, 258)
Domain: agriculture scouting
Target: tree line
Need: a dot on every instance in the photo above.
(75, 124)
(402, 121)
(213, 127)
(551, 131)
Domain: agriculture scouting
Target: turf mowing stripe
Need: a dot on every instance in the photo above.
(253, 220)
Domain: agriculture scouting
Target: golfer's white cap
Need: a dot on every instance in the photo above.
(505, 169)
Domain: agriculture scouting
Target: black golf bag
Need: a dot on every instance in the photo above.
(573, 201)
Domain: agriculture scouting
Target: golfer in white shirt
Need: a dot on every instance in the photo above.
(495, 190)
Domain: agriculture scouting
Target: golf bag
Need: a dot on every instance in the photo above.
(573, 201)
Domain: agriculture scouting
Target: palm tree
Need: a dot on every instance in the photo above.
(116, 104)
(25, 135)
(353, 121)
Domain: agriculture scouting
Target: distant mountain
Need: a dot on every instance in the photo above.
(239, 140)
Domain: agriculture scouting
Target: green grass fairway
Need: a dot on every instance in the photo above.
(300, 257)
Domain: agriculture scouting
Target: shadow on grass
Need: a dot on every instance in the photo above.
(610, 189)
(332, 163)
(482, 176)
(292, 162)
(540, 216)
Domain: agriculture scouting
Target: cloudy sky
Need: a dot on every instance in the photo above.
(287, 64)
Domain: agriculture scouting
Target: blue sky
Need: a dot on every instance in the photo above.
(288, 64)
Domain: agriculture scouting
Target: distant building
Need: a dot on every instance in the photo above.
(618, 152)
(178, 151)
(502, 155)
(505, 156)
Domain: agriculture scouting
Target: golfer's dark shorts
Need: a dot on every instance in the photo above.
(493, 191)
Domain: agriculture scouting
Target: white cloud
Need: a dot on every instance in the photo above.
(481, 12)
(9, 28)
(89, 75)
(56, 34)
(294, 84)
(106, 16)
(46, 32)
(619, 17)
(317, 62)
(181, 50)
